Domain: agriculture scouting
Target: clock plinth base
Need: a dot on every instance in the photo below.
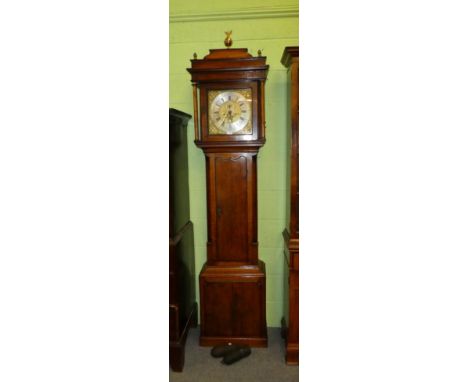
(292, 354)
(252, 342)
(232, 302)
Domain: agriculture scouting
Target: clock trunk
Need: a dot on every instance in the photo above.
(232, 208)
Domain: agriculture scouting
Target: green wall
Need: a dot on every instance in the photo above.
(197, 26)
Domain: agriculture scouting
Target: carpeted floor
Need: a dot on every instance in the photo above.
(263, 365)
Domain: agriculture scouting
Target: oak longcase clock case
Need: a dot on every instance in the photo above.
(229, 121)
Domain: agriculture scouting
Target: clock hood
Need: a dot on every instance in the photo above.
(228, 64)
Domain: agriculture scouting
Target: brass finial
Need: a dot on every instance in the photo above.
(228, 39)
(195, 56)
(259, 52)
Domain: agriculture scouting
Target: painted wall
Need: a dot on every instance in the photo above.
(197, 26)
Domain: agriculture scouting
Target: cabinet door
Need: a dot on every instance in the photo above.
(217, 308)
(246, 309)
(233, 308)
(231, 208)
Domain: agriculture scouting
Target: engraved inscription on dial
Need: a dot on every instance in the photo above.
(230, 112)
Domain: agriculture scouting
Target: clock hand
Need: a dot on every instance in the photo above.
(222, 120)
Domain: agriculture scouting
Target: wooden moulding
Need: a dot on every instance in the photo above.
(233, 269)
(229, 58)
(229, 75)
(230, 146)
(228, 65)
(290, 53)
(255, 342)
(293, 248)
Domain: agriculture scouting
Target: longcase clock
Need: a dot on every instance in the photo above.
(229, 121)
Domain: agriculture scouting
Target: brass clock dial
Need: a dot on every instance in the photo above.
(230, 111)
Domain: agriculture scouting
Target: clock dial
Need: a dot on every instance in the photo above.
(230, 111)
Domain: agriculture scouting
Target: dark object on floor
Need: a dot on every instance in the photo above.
(222, 350)
(236, 355)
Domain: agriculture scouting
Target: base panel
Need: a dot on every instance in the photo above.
(252, 342)
(292, 355)
(292, 348)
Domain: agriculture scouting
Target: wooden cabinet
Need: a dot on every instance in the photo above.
(228, 89)
(182, 305)
(290, 322)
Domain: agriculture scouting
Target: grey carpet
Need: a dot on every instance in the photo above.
(263, 365)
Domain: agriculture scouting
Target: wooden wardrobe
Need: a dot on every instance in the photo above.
(290, 322)
(182, 305)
